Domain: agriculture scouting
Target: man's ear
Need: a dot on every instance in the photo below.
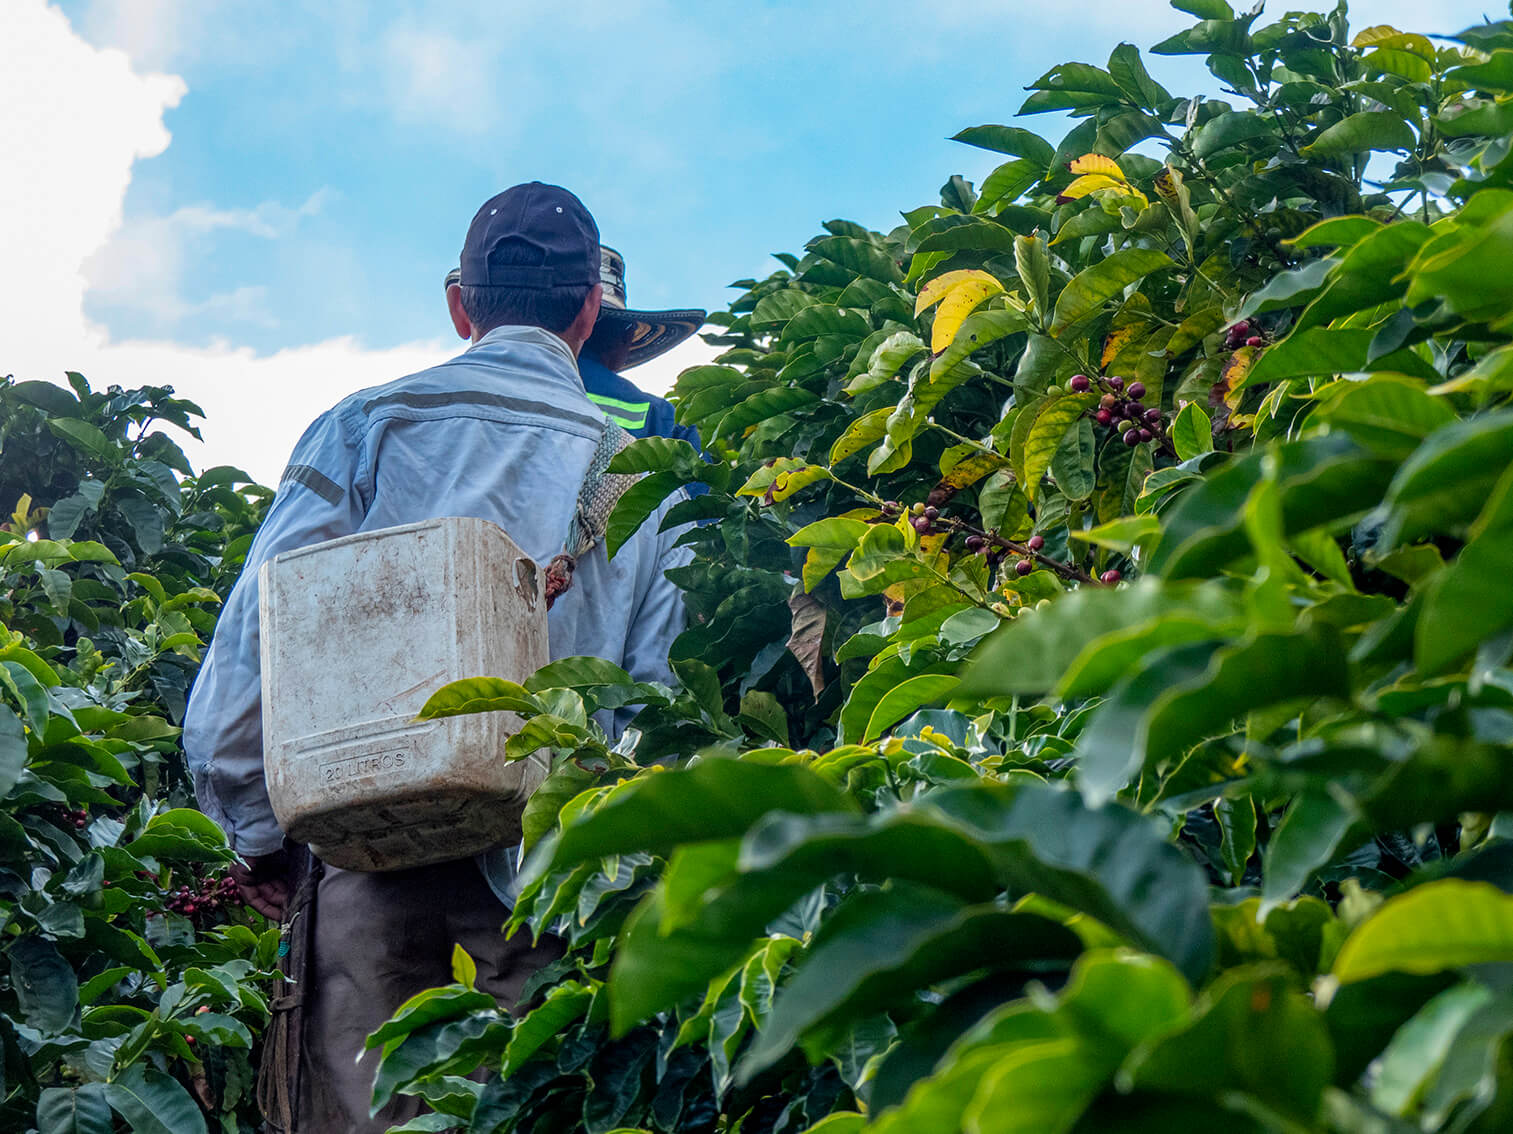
(460, 320)
(583, 326)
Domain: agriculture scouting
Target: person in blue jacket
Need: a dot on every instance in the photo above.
(623, 338)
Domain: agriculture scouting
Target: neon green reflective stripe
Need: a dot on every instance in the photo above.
(623, 420)
(604, 400)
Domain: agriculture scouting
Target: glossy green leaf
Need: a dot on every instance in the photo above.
(1388, 415)
(1008, 140)
(478, 695)
(1191, 432)
(635, 505)
(713, 799)
(1471, 602)
(1251, 1033)
(1051, 423)
(881, 946)
(563, 1004)
(1448, 478)
(657, 454)
(980, 329)
(44, 984)
(1324, 481)
(1033, 265)
(1418, 1051)
(1365, 130)
(154, 1103)
(1439, 925)
(1034, 1088)
(1071, 465)
(905, 698)
(1032, 653)
(74, 1110)
(1187, 693)
(1325, 351)
(12, 749)
(1228, 130)
(1094, 286)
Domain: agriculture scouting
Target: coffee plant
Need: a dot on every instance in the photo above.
(1097, 709)
(130, 989)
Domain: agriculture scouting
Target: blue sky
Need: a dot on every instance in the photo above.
(321, 161)
(702, 135)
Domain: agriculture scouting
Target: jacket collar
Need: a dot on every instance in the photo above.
(538, 336)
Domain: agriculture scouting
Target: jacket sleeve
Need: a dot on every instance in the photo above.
(223, 726)
(659, 613)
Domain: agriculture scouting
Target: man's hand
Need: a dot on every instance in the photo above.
(264, 880)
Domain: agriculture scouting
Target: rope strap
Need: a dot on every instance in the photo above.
(597, 496)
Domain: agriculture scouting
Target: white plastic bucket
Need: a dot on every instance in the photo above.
(356, 634)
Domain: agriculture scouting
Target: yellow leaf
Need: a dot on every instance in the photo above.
(937, 289)
(1387, 36)
(1097, 163)
(464, 971)
(970, 470)
(785, 484)
(1235, 370)
(1118, 340)
(958, 303)
(1091, 184)
(761, 480)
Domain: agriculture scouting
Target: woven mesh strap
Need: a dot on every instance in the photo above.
(597, 496)
(600, 491)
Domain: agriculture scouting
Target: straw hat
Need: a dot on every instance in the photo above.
(656, 332)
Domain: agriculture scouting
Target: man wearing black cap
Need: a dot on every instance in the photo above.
(623, 338)
(503, 432)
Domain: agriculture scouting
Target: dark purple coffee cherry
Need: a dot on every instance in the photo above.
(1023, 568)
(976, 543)
(1035, 542)
(1080, 383)
(1136, 390)
(1145, 434)
(1104, 417)
(1153, 417)
(1132, 437)
(1115, 382)
(932, 513)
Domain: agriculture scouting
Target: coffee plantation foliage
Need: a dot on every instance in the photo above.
(131, 988)
(1098, 708)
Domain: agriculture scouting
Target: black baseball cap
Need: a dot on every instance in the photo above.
(531, 236)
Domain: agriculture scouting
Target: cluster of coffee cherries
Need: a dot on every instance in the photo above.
(1242, 334)
(1121, 410)
(77, 819)
(979, 545)
(209, 896)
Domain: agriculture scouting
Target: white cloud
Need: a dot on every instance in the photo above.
(153, 33)
(433, 77)
(76, 119)
(139, 271)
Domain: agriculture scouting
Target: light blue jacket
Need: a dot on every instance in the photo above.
(503, 432)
